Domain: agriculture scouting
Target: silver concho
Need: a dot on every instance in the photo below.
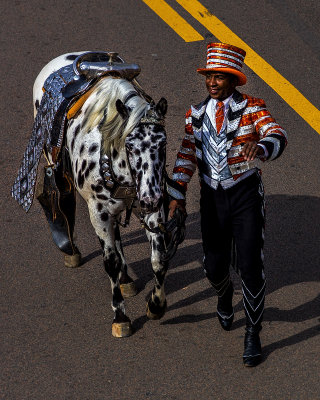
(105, 169)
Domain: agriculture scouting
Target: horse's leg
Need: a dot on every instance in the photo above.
(157, 304)
(104, 227)
(127, 286)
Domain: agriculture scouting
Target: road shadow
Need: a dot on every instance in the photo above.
(292, 256)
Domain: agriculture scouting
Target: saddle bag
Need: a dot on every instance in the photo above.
(58, 201)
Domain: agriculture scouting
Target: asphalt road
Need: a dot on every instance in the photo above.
(56, 322)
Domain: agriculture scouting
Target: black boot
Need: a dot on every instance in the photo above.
(224, 309)
(254, 306)
(252, 346)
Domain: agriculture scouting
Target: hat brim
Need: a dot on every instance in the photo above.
(242, 79)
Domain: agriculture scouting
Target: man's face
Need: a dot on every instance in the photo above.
(220, 85)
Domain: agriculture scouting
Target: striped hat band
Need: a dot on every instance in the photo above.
(225, 57)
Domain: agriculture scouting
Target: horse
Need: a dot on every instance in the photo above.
(117, 138)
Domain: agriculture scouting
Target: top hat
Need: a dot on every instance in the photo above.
(223, 57)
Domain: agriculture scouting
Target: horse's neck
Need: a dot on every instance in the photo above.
(120, 167)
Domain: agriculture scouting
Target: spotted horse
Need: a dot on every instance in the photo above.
(116, 146)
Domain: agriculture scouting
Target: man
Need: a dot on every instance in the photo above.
(226, 136)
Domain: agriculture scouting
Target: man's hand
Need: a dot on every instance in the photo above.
(251, 150)
(177, 204)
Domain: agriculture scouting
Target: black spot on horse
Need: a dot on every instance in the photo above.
(81, 149)
(115, 153)
(37, 104)
(99, 206)
(71, 57)
(123, 164)
(145, 166)
(154, 246)
(145, 145)
(137, 152)
(97, 188)
(84, 164)
(72, 144)
(152, 156)
(102, 197)
(80, 180)
(77, 130)
(93, 148)
(121, 178)
(91, 165)
(104, 216)
(153, 139)
(86, 174)
(111, 201)
(139, 163)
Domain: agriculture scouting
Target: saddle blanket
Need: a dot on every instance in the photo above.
(48, 130)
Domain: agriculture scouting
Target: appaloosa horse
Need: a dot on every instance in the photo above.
(118, 138)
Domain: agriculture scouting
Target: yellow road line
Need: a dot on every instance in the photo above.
(174, 20)
(275, 80)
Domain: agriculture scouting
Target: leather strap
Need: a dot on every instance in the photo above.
(78, 104)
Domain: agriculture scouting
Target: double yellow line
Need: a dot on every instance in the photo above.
(265, 71)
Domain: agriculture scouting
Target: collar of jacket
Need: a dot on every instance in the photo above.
(236, 107)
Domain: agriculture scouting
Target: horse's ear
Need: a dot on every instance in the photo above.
(122, 110)
(161, 107)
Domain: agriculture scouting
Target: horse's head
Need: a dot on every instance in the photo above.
(146, 150)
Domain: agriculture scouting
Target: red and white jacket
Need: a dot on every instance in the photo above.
(247, 120)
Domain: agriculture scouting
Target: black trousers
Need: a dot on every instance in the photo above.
(235, 214)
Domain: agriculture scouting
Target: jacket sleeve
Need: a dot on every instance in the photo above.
(186, 163)
(272, 136)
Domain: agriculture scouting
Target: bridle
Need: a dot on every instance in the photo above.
(174, 229)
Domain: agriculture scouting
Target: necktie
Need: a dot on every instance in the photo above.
(219, 116)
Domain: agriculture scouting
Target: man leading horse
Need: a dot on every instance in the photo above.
(226, 136)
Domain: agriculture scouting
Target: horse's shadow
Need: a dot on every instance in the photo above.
(292, 257)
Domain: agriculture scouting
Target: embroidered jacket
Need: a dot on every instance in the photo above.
(247, 120)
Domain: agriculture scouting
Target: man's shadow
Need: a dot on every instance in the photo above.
(292, 256)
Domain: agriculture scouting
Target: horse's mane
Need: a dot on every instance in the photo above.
(102, 111)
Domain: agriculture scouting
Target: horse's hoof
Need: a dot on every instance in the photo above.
(121, 329)
(154, 311)
(73, 261)
(128, 289)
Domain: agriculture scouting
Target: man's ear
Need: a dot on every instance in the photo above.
(122, 109)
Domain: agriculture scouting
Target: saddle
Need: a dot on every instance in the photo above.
(65, 91)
